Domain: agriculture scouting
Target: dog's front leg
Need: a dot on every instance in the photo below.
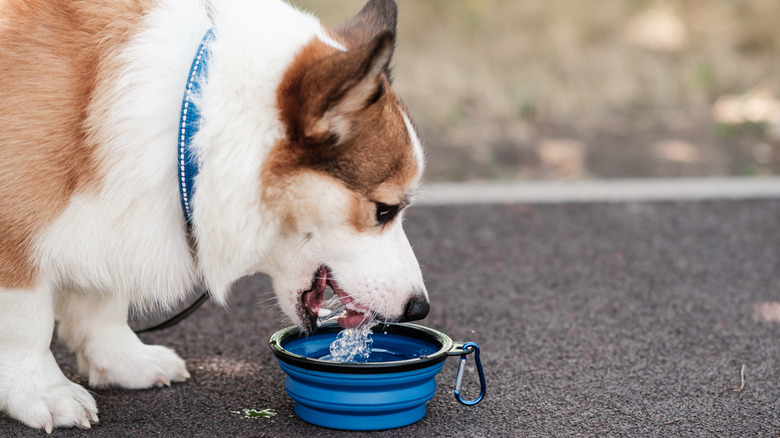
(94, 326)
(33, 389)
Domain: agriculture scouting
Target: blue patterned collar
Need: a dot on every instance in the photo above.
(189, 122)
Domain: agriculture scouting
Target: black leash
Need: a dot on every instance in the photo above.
(179, 317)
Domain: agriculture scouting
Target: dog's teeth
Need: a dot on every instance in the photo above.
(323, 313)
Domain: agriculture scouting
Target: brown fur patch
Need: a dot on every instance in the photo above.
(51, 53)
(295, 102)
(377, 152)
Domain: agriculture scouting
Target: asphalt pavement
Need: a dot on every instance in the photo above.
(631, 318)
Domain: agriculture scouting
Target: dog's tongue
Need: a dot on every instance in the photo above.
(352, 320)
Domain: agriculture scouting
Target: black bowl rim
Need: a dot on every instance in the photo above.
(404, 329)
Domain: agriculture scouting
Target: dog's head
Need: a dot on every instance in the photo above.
(341, 178)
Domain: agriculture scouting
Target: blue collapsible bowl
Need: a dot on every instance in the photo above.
(390, 390)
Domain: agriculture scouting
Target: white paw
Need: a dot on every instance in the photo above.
(134, 366)
(46, 406)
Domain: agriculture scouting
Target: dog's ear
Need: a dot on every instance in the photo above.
(336, 88)
(377, 16)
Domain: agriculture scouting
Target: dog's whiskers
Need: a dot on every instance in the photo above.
(267, 300)
(297, 249)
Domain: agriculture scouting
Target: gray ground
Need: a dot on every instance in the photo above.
(624, 319)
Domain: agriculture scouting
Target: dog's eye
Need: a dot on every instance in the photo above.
(386, 212)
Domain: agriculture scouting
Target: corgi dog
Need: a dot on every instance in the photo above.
(149, 146)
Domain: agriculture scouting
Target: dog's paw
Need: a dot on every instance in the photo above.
(59, 404)
(135, 367)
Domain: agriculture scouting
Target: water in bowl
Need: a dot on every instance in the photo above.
(385, 347)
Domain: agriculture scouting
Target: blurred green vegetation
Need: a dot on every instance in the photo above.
(621, 82)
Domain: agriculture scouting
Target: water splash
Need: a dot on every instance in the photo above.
(352, 345)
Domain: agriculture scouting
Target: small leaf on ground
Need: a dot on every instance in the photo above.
(254, 413)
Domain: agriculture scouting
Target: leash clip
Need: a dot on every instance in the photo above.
(466, 349)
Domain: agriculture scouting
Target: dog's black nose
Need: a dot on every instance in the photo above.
(417, 308)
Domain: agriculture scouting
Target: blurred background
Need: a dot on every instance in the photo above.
(573, 89)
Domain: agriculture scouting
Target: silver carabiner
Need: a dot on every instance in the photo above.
(468, 348)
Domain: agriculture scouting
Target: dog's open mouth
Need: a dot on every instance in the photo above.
(312, 299)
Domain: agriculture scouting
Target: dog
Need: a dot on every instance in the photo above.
(151, 146)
